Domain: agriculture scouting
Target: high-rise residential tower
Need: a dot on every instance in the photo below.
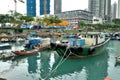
(108, 11)
(31, 8)
(57, 6)
(114, 10)
(118, 8)
(100, 8)
(44, 7)
(94, 7)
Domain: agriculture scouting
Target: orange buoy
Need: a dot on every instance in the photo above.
(107, 79)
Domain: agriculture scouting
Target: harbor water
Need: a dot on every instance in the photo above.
(47, 65)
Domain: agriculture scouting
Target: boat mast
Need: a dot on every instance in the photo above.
(76, 35)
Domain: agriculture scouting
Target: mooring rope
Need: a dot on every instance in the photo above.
(54, 47)
(87, 55)
(60, 62)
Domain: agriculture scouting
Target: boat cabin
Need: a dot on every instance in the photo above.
(84, 39)
(92, 38)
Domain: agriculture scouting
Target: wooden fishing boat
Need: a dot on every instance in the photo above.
(24, 53)
(5, 46)
(4, 40)
(85, 45)
(37, 42)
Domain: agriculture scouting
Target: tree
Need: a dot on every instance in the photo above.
(39, 20)
(52, 20)
(27, 18)
(6, 18)
(46, 21)
(2, 17)
(116, 21)
(81, 24)
(16, 16)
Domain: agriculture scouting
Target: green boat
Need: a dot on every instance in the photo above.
(85, 45)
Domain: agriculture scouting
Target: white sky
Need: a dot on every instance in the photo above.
(6, 5)
(76, 4)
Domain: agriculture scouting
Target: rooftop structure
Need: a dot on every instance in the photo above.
(73, 17)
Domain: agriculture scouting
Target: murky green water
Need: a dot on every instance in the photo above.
(47, 65)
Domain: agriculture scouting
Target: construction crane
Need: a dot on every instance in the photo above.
(45, 10)
(15, 1)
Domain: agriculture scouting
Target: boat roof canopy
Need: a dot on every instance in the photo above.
(91, 33)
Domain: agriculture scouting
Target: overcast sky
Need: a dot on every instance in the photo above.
(6, 5)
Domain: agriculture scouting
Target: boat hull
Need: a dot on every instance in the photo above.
(78, 52)
(24, 53)
(5, 46)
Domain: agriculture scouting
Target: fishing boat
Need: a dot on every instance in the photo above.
(42, 42)
(4, 40)
(32, 42)
(5, 46)
(25, 53)
(84, 45)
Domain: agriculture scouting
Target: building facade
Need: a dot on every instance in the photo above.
(101, 8)
(107, 11)
(114, 10)
(118, 8)
(31, 8)
(44, 7)
(93, 7)
(75, 16)
(57, 6)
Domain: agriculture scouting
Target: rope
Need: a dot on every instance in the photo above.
(86, 55)
(60, 62)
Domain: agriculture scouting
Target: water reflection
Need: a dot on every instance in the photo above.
(32, 64)
(95, 68)
(47, 65)
(18, 46)
(44, 63)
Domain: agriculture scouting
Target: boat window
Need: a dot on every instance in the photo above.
(64, 42)
(91, 36)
